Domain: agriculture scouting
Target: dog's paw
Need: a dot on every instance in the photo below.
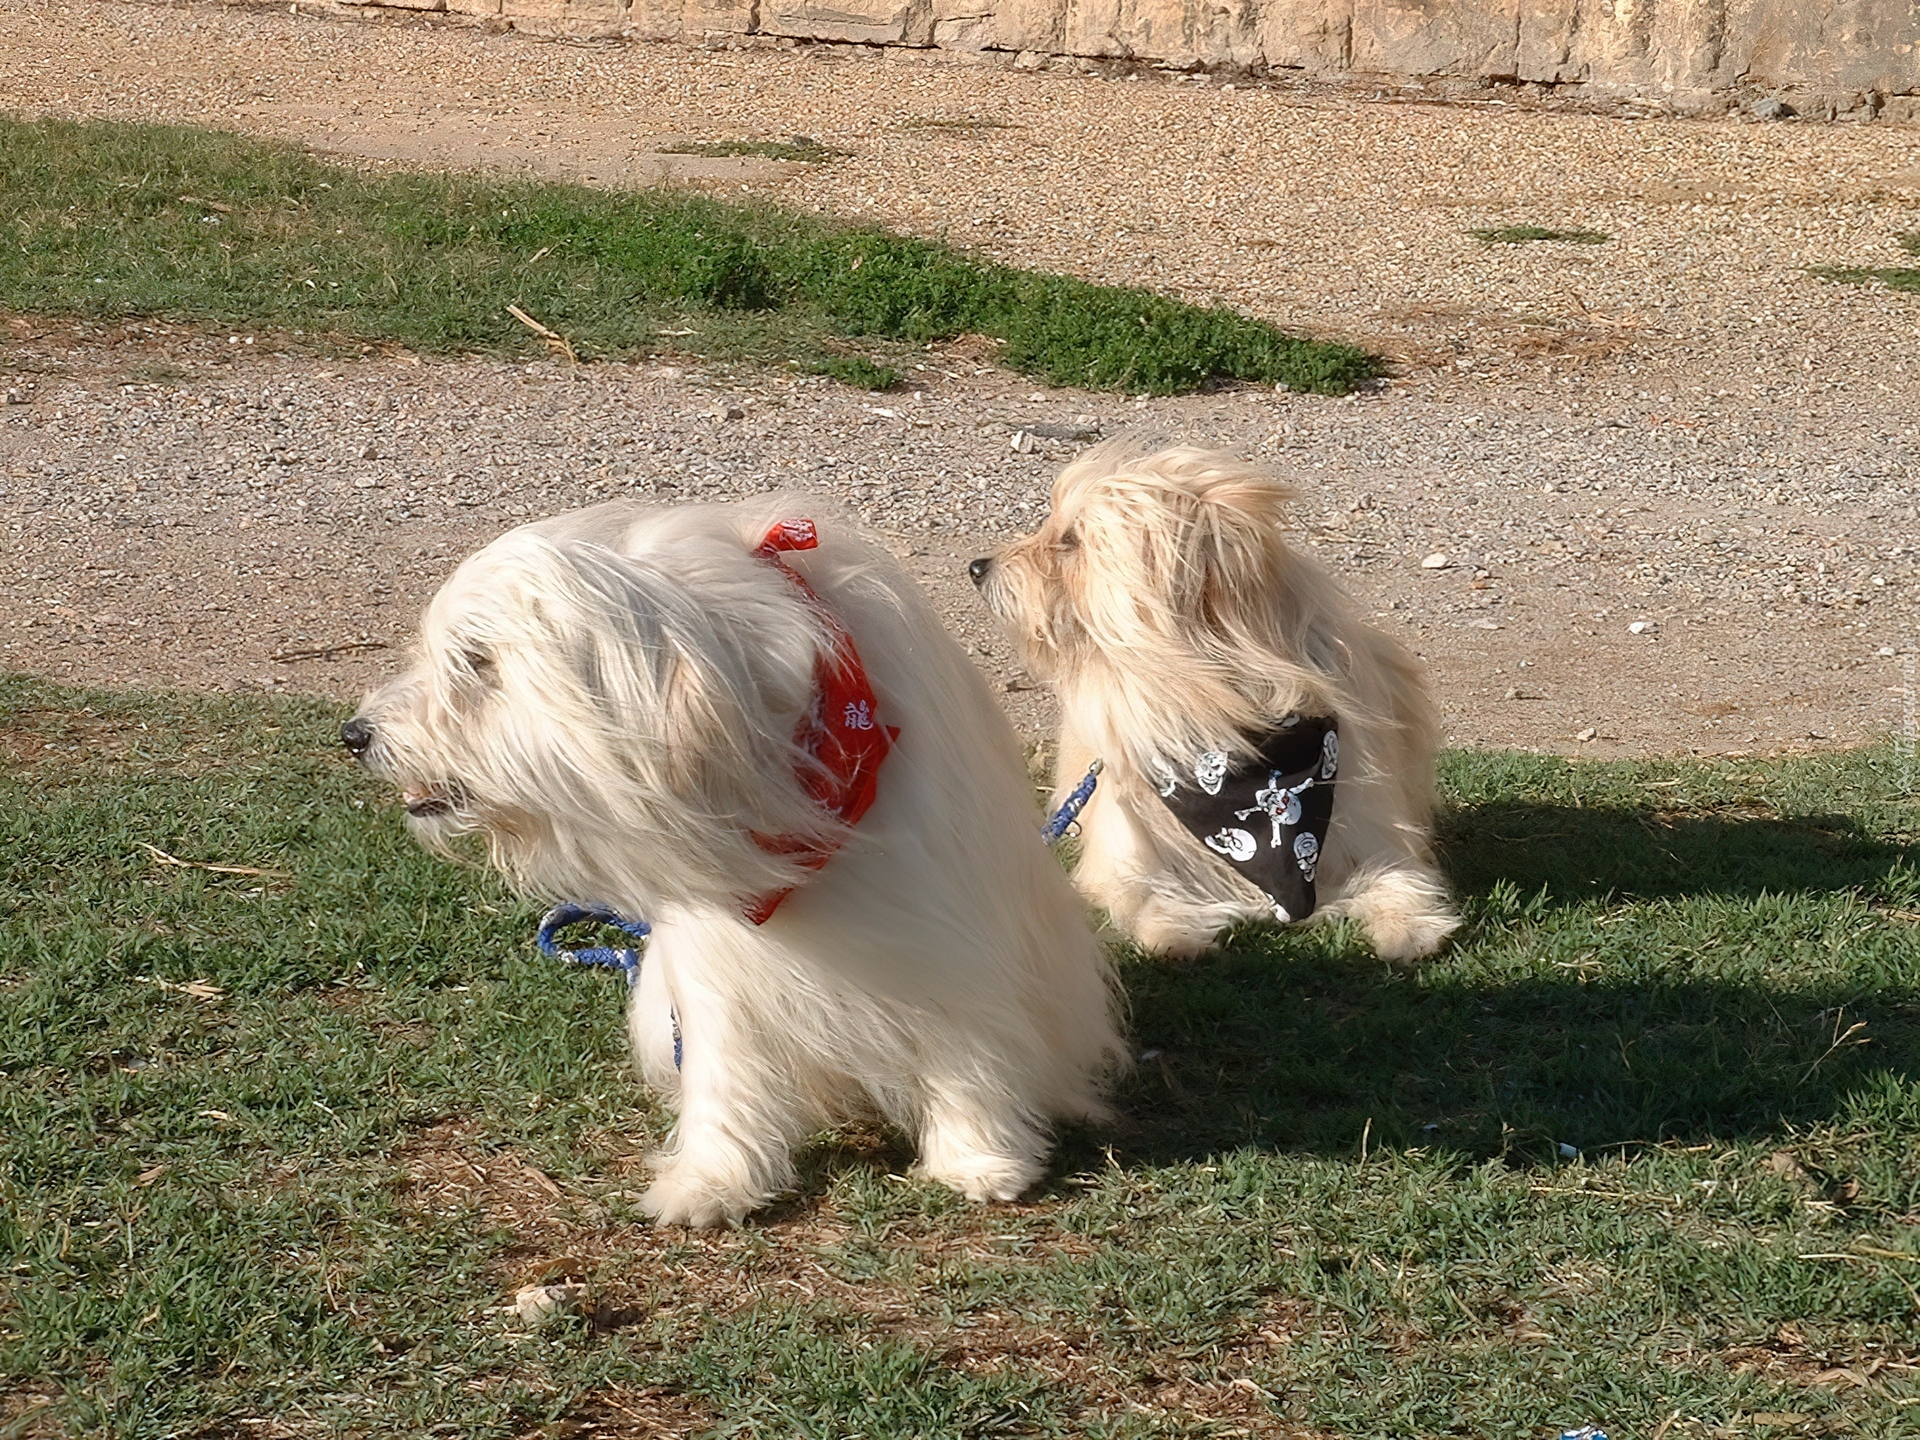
(983, 1177)
(1407, 939)
(683, 1199)
(1168, 931)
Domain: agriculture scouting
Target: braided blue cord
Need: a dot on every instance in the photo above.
(561, 916)
(1062, 819)
(616, 958)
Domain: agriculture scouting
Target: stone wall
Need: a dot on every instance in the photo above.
(1822, 57)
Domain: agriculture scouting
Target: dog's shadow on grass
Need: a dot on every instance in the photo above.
(1624, 977)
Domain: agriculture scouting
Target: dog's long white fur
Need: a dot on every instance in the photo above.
(1163, 602)
(610, 698)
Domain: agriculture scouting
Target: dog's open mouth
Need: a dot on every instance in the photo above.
(426, 801)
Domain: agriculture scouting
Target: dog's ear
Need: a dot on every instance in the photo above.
(1234, 560)
(1186, 544)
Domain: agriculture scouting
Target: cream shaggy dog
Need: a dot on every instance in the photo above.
(621, 700)
(1180, 632)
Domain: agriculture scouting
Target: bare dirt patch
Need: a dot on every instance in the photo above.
(634, 1272)
(275, 518)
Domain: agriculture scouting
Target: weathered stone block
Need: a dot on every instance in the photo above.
(1030, 25)
(960, 24)
(729, 17)
(567, 17)
(871, 22)
(1311, 35)
(1847, 57)
(1470, 40)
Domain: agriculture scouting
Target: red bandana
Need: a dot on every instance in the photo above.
(841, 729)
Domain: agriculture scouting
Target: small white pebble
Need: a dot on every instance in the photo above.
(1436, 561)
(534, 1303)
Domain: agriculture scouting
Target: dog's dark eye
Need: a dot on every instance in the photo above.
(480, 663)
(1069, 540)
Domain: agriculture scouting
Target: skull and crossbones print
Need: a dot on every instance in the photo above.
(1289, 779)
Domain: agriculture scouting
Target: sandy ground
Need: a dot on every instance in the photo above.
(1679, 429)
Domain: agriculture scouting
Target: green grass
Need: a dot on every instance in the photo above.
(111, 220)
(1334, 1203)
(857, 371)
(1894, 277)
(1527, 234)
(801, 147)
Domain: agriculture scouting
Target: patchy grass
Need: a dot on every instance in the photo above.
(803, 148)
(1894, 277)
(109, 220)
(276, 1149)
(1527, 234)
(858, 371)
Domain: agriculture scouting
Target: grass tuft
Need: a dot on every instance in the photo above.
(110, 220)
(1527, 234)
(285, 1145)
(858, 372)
(800, 147)
(1894, 277)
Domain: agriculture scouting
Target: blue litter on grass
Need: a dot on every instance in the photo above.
(1585, 1432)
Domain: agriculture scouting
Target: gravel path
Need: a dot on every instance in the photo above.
(1678, 430)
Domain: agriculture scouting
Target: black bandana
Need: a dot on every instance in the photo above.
(1267, 817)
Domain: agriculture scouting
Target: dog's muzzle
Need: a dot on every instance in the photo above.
(425, 802)
(977, 569)
(357, 735)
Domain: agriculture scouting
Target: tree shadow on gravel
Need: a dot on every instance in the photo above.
(1625, 977)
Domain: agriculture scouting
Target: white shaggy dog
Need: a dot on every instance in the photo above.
(1193, 650)
(684, 713)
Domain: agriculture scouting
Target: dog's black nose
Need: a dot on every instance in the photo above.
(978, 568)
(357, 734)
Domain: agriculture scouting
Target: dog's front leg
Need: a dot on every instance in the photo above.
(978, 1139)
(1147, 891)
(741, 1112)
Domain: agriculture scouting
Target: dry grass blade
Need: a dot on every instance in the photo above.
(327, 652)
(198, 989)
(161, 857)
(1839, 1041)
(556, 342)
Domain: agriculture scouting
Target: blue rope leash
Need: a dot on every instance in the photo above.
(627, 959)
(616, 958)
(1062, 819)
(562, 916)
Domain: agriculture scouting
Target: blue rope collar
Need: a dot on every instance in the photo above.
(627, 958)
